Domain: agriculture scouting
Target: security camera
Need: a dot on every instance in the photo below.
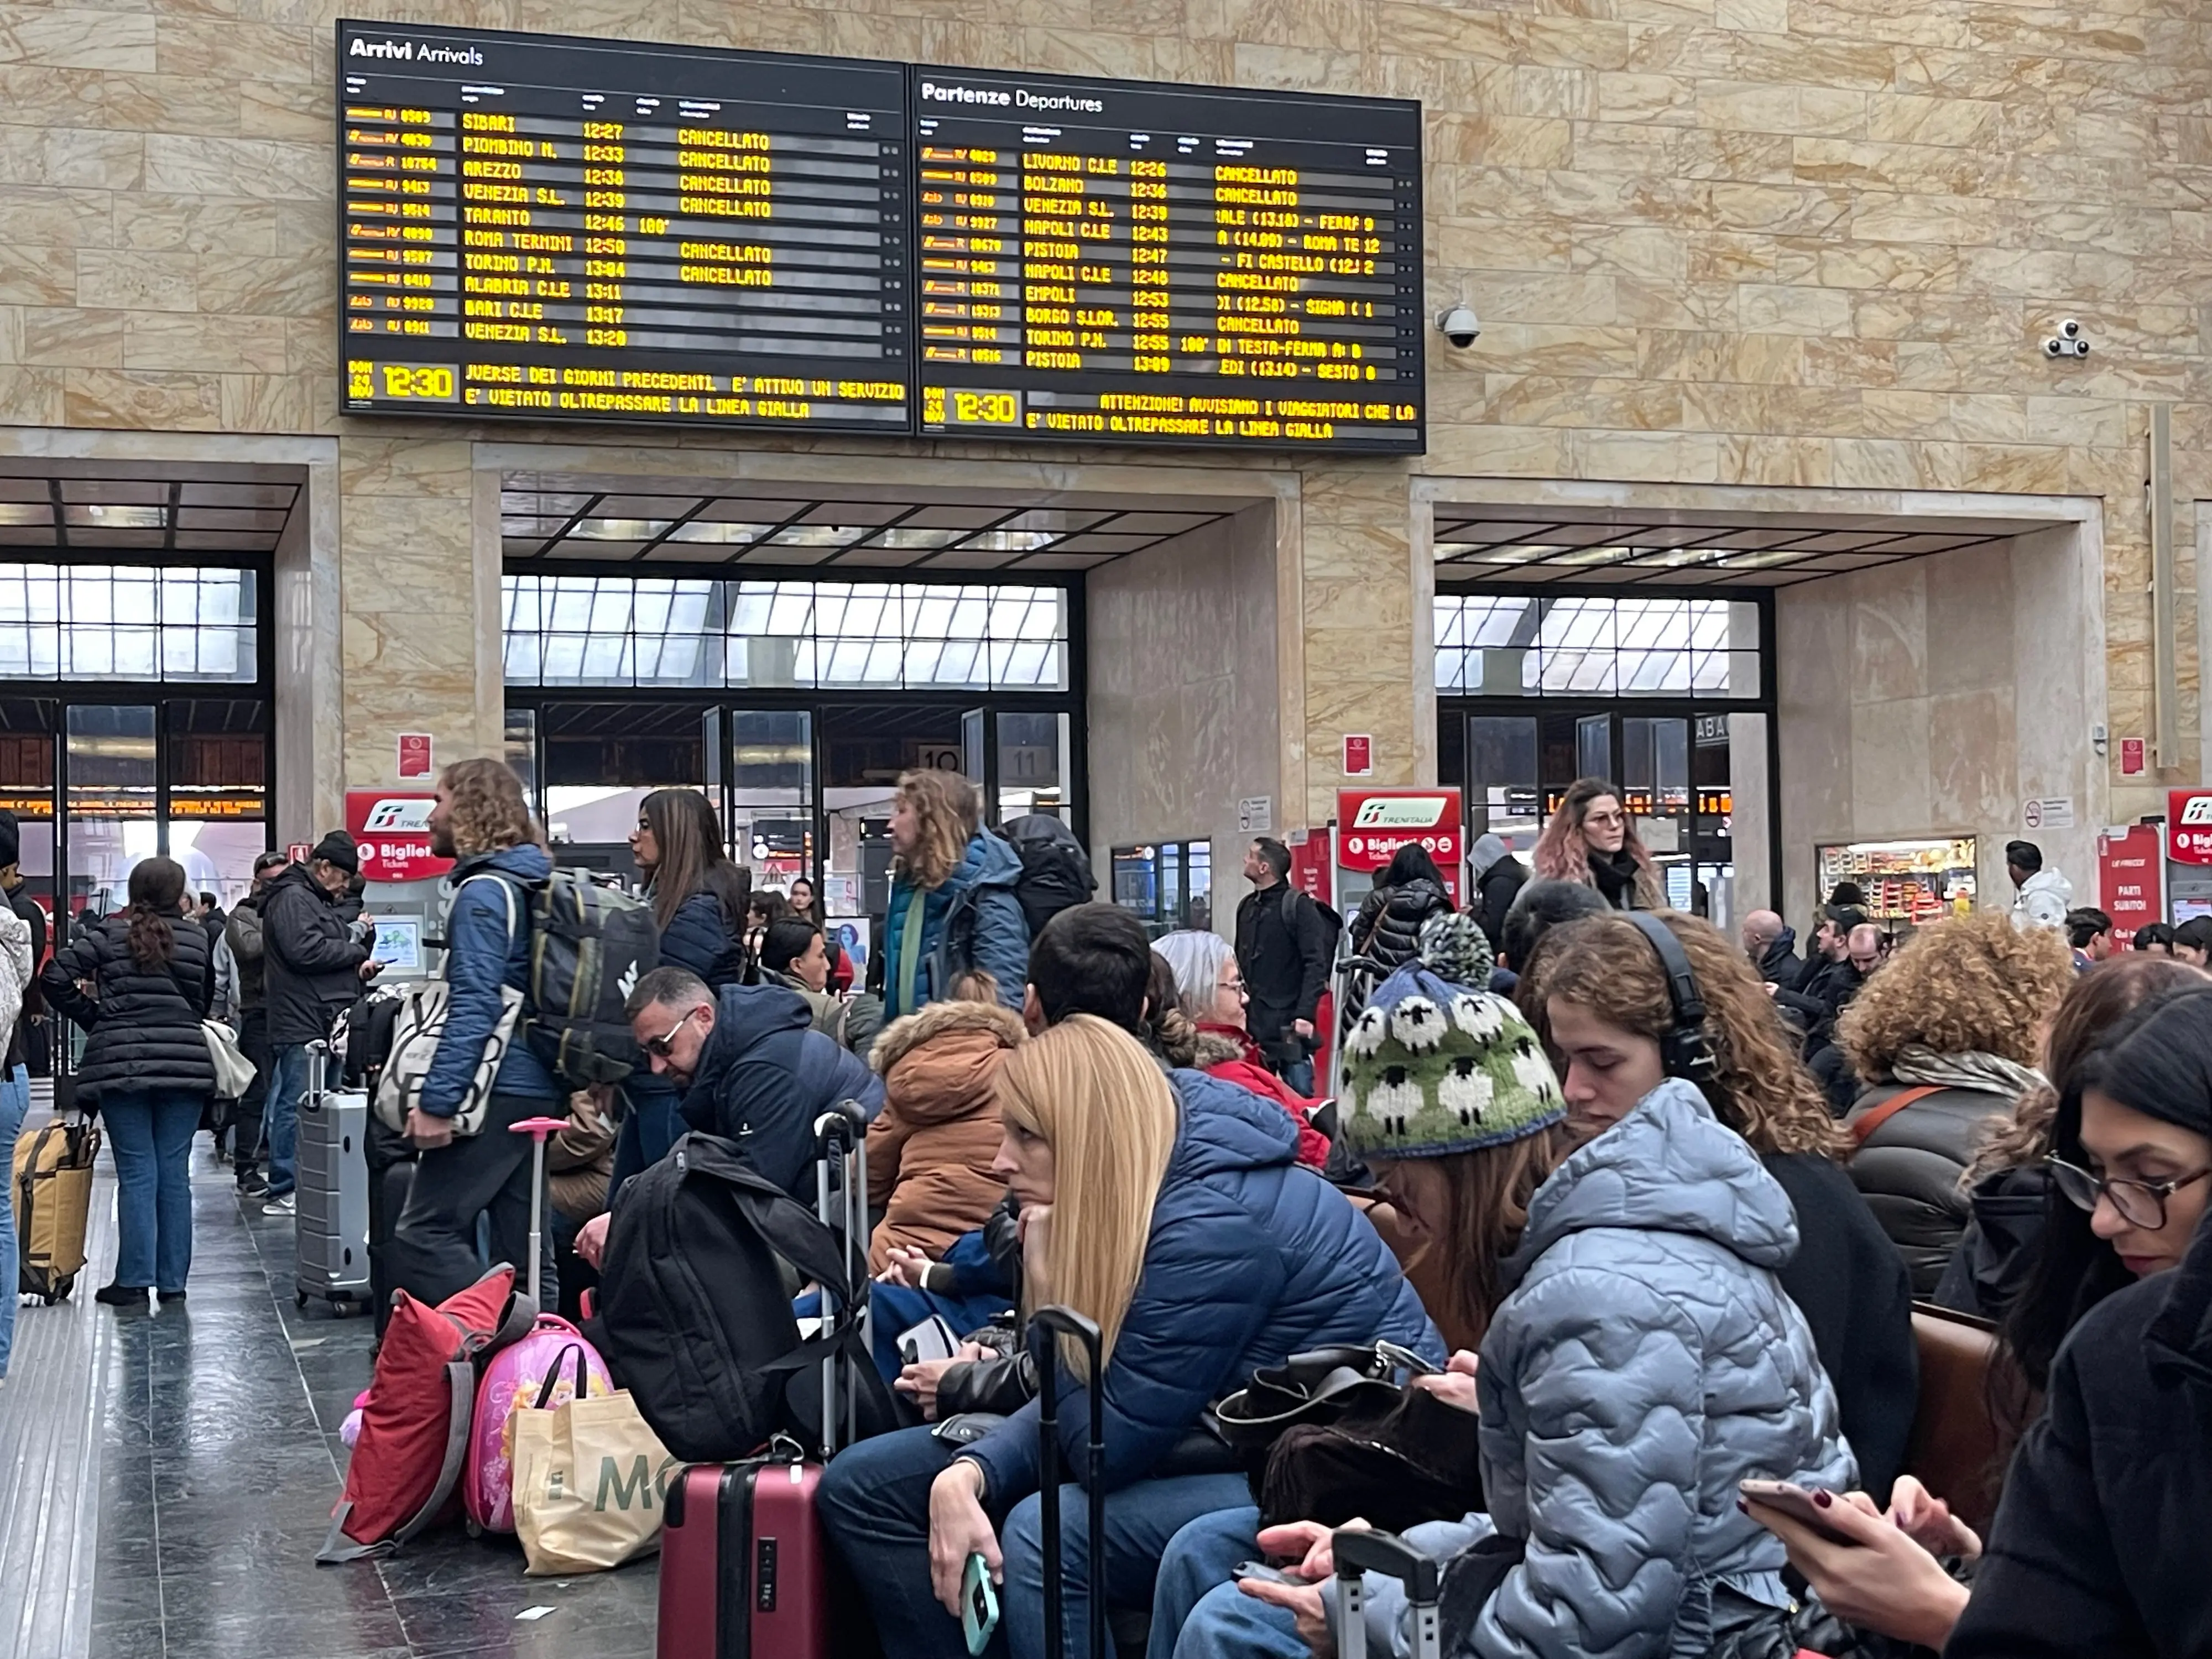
(2056, 347)
(2068, 342)
(1460, 326)
(2070, 329)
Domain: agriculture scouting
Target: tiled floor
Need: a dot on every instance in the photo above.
(216, 1460)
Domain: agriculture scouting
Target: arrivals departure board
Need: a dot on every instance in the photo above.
(541, 228)
(551, 228)
(1113, 261)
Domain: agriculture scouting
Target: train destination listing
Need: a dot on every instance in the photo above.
(548, 228)
(1108, 261)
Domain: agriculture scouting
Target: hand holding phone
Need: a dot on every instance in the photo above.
(1263, 1572)
(978, 1604)
(1800, 1504)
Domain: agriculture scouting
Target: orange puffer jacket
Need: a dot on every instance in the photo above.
(929, 1149)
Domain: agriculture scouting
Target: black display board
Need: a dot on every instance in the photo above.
(551, 228)
(540, 227)
(1113, 261)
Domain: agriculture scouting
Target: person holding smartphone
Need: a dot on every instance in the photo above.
(2083, 1556)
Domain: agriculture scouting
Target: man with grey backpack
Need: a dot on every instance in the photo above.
(481, 821)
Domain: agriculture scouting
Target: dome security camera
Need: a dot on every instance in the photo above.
(2068, 342)
(1460, 326)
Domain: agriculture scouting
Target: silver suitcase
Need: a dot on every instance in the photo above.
(333, 1192)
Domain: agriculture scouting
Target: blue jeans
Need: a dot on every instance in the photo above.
(288, 1081)
(15, 1102)
(151, 1131)
(874, 1503)
(1198, 1560)
(1227, 1623)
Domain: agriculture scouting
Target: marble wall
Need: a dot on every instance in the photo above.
(1936, 698)
(1714, 242)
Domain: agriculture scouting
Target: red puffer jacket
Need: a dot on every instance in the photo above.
(1228, 1053)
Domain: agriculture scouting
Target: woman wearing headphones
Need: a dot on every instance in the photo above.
(1639, 1358)
(1619, 1021)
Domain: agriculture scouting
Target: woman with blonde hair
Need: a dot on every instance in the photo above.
(1946, 1037)
(1592, 841)
(1603, 1002)
(952, 904)
(1172, 1210)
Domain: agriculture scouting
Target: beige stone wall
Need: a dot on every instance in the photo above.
(1781, 242)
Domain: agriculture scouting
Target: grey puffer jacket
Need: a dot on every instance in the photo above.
(1644, 1361)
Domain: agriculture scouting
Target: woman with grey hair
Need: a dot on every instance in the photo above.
(1210, 994)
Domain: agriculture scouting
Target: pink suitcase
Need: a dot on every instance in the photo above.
(744, 1566)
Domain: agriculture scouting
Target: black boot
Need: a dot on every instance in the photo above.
(121, 1296)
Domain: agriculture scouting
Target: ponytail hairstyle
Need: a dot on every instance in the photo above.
(1091, 1093)
(157, 893)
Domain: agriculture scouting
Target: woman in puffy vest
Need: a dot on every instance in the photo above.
(145, 1066)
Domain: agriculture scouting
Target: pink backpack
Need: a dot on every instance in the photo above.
(548, 1368)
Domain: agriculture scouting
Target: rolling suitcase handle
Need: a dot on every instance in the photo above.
(1385, 1552)
(840, 1130)
(537, 1129)
(1043, 1326)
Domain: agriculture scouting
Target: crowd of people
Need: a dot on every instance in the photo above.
(1625, 1215)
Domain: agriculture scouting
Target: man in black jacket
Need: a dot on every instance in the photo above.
(1828, 987)
(1772, 945)
(1284, 943)
(313, 964)
(241, 935)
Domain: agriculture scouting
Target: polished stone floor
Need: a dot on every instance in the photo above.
(209, 1430)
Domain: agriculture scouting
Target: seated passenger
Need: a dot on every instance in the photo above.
(1172, 1210)
(1640, 1357)
(931, 1149)
(1210, 994)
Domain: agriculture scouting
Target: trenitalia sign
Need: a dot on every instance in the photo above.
(390, 828)
(1372, 824)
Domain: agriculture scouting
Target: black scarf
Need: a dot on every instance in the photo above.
(1615, 875)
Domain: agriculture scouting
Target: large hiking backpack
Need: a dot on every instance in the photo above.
(589, 946)
(695, 1318)
(1055, 870)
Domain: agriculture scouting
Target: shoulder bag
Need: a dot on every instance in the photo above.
(234, 1072)
(420, 1027)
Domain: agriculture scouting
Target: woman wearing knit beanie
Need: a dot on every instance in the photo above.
(1639, 1357)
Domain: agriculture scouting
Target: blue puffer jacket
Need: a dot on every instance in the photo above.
(765, 1075)
(1253, 1257)
(488, 945)
(1645, 1361)
(973, 920)
(700, 938)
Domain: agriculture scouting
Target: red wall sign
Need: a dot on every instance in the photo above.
(1359, 754)
(2132, 880)
(1310, 869)
(392, 830)
(2131, 757)
(1372, 824)
(414, 754)
(2189, 826)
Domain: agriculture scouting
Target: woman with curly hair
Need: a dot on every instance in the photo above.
(1592, 840)
(480, 822)
(952, 906)
(1602, 1006)
(1945, 1038)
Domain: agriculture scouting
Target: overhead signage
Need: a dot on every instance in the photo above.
(390, 828)
(545, 228)
(1372, 824)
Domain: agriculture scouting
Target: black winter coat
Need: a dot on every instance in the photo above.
(1847, 1281)
(1283, 948)
(1782, 966)
(1910, 1168)
(1495, 889)
(311, 966)
(1827, 991)
(1388, 926)
(2098, 1545)
(1990, 1266)
(701, 938)
(144, 1022)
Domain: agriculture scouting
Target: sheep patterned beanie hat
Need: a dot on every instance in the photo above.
(1431, 1068)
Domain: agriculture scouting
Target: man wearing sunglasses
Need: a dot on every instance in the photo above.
(752, 1069)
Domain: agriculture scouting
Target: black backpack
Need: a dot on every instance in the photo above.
(589, 946)
(695, 1318)
(1055, 870)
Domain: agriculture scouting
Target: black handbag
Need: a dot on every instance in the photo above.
(1317, 1386)
(1418, 1459)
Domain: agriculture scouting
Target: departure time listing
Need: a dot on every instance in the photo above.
(553, 228)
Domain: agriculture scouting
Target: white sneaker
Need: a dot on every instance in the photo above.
(285, 1205)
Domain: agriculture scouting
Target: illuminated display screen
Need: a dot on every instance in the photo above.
(1104, 260)
(548, 229)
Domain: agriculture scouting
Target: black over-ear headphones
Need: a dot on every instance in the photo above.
(1683, 1050)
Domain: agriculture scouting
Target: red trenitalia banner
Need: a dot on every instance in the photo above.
(2189, 826)
(391, 830)
(1372, 824)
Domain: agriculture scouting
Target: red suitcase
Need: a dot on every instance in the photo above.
(744, 1567)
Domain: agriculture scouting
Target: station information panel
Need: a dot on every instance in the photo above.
(1104, 260)
(549, 229)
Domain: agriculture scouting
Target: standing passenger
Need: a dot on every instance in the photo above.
(1592, 839)
(952, 903)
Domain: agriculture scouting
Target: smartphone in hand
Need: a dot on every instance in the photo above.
(1797, 1503)
(978, 1604)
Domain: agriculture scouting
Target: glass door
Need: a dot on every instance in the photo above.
(112, 817)
(1504, 790)
(601, 759)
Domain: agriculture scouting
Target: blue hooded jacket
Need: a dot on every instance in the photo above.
(974, 920)
(1645, 1360)
(1253, 1257)
(765, 1075)
(699, 937)
(488, 945)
